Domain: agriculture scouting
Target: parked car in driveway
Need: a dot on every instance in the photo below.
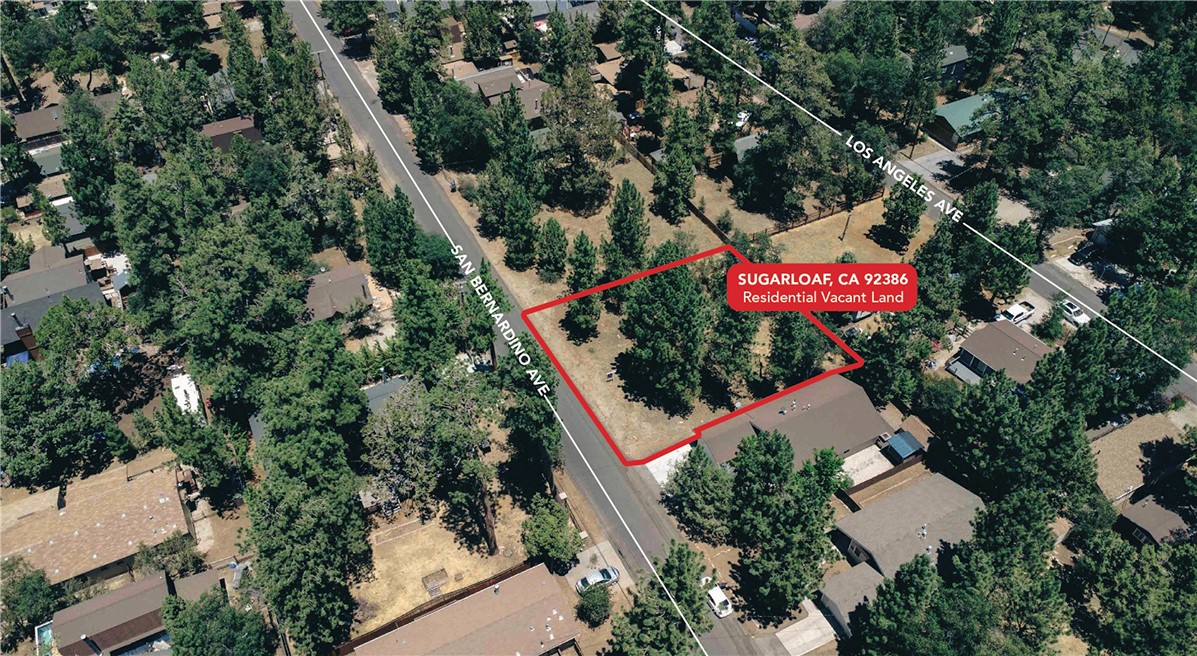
(1017, 313)
(604, 576)
(1074, 314)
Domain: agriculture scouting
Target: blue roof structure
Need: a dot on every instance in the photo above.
(904, 444)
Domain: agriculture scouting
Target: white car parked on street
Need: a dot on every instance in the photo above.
(1074, 314)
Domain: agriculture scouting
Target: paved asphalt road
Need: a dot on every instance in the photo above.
(618, 494)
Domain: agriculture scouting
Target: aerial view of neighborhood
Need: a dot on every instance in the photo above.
(598, 328)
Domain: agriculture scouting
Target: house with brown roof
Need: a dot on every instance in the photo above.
(454, 32)
(128, 617)
(494, 82)
(334, 293)
(43, 127)
(221, 133)
(1150, 522)
(1137, 454)
(834, 413)
(96, 533)
(919, 519)
(998, 346)
(525, 614)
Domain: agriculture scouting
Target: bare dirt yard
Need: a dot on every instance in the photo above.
(819, 241)
(414, 558)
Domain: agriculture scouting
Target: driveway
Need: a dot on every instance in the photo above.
(805, 636)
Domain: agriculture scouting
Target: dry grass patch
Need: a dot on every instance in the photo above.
(819, 241)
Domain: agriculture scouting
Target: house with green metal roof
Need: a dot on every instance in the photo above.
(956, 121)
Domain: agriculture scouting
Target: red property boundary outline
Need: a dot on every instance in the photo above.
(857, 363)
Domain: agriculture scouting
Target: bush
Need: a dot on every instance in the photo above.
(595, 605)
(548, 535)
(27, 598)
(1051, 328)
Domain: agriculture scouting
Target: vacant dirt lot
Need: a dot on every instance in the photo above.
(820, 241)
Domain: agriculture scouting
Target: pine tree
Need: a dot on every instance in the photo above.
(624, 254)
(483, 35)
(656, 89)
(796, 348)
(699, 495)
(19, 168)
(520, 232)
(712, 22)
(581, 142)
(391, 231)
(903, 208)
(651, 625)
(244, 70)
(548, 535)
(514, 149)
(582, 315)
(552, 251)
(87, 157)
(666, 318)
(425, 339)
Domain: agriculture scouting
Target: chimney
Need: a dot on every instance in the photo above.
(16, 320)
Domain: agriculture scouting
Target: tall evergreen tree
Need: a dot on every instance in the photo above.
(699, 494)
(651, 625)
(903, 209)
(796, 348)
(624, 254)
(513, 147)
(582, 314)
(87, 157)
(483, 34)
(244, 70)
(391, 231)
(551, 251)
(666, 318)
(581, 142)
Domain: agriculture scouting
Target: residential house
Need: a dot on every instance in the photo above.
(128, 618)
(956, 122)
(588, 9)
(334, 293)
(26, 296)
(955, 59)
(221, 133)
(43, 127)
(998, 346)
(919, 519)
(494, 82)
(1149, 522)
(843, 593)
(745, 144)
(93, 529)
(527, 614)
(608, 52)
(48, 159)
(1136, 455)
(834, 413)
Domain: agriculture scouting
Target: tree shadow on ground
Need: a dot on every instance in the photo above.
(636, 378)
(888, 238)
(715, 392)
(577, 334)
(522, 477)
(755, 607)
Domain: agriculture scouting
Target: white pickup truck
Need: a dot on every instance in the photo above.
(1017, 313)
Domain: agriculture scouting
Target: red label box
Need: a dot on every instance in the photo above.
(822, 287)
